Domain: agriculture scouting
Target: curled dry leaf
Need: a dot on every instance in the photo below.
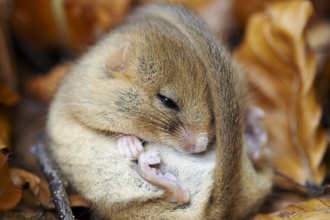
(316, 208)
(280, 69)
(9, 194)
(244, 9)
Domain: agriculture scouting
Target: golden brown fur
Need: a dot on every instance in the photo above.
(113, 89)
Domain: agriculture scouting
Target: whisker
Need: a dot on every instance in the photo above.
(164, 116)
(158, 125)
(165, 124)
(117, 136)
(178, 119)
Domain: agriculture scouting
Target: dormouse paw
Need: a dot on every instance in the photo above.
(176, 192)
(129, 146)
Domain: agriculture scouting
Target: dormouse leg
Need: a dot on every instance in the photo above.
(177, 193)
(129, 146)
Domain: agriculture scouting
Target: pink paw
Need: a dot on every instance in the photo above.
(129, 146)
(168, 182)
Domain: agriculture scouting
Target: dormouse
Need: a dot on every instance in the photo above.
(163, 79)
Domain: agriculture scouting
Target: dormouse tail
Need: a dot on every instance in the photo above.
(226, 90)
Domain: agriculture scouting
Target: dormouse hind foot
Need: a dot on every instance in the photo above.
(176, 192)
(129, 146)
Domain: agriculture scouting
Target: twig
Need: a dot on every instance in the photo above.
(56, 186)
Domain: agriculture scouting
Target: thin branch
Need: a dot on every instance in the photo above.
(56, 186)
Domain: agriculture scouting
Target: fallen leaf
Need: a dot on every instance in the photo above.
(76, 201)
(35, 190)
(72, 24)
(315, 208)
(7, 96)
(9, 194)
(244, 9)
(280, 70)
(85, 21)
(7, 68)
(5, 127)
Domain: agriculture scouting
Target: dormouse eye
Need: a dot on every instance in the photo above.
(169, 103)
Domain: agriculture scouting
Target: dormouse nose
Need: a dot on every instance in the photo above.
(196, 143)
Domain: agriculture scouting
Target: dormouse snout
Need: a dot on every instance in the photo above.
(202, 142)
(196, 143)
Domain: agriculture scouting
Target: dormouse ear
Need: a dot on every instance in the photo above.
(120, 60)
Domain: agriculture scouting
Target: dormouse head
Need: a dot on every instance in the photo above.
(152, 86)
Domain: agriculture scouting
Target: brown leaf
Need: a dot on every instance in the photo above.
(9, 194)
(280, 69)
(37, 190)
(77, 201)
(74, 24)
(315, 208)
(7, 69)
(7, 96)
(5, 128)
(243, 9)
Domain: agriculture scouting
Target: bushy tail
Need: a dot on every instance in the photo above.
(227, 102)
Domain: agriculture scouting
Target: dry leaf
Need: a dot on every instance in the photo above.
(7, 76)
(315, 208)
(7, 73)
(280, 69)
(9, 194)
(7, 96)
(72, 24)
(5, 128)
(243, 9)
(85, 21)
(77, 201)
